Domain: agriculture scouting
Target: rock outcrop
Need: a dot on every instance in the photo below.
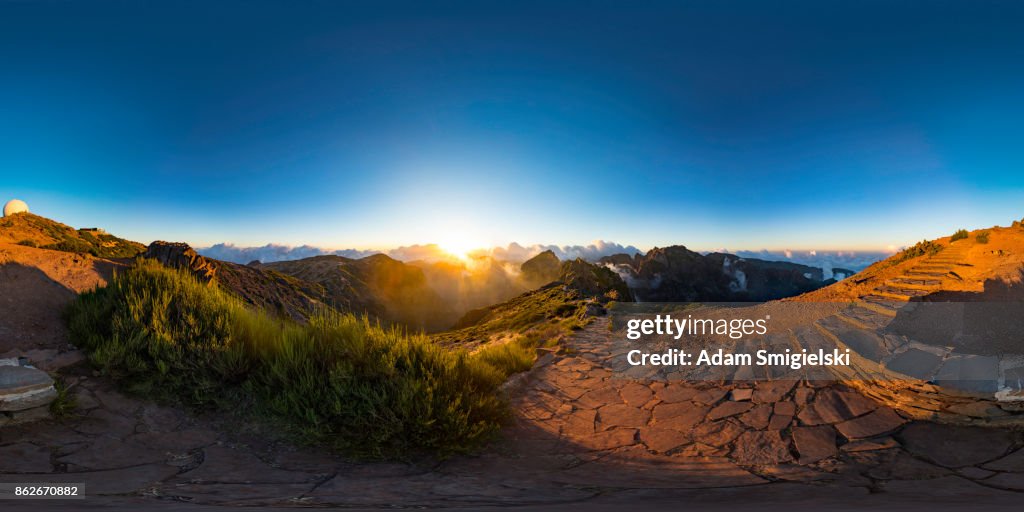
(594, 280)
(280, 294)
(677, 274)
(181, 255)
(541, 269)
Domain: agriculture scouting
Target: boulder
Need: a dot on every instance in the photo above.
(24, 388)
(180, 255)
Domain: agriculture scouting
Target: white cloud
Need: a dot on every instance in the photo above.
(273, 252)
(825, 260)
(591, 252)
(514, 252)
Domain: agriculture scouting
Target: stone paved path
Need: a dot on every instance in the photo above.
(583, 433)
(936, 371)
(746, 433)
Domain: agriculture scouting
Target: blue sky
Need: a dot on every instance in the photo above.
(744, 125)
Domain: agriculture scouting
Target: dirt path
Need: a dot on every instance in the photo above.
(35, 286)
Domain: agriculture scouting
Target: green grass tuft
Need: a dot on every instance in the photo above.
(339, 381)
(509, 358)
(982, 237)
(65, 404)
(961, 234)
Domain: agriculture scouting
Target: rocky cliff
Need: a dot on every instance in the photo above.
(677, 274)
(273, 291)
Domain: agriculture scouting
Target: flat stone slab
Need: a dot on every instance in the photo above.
(24, 388)
(22, 379)
(979, 374)
(727, 409)
(767, 392)
(24, 458)
(870, 445)
(761, 447)
(956, 446)
(833, 406)
(622, 415)
(1012, 462)
(680, 416)
(878, 422)
(663, 439)
(814, 443)
(225, 465)
(915, 363)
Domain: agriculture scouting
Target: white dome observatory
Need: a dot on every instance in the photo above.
(15, 206)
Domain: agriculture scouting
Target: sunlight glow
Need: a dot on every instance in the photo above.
(458, 243)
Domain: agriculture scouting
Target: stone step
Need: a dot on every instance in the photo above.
(933, 267)
(864, 317)
(925, 273)
(904, 294)
(914, 284)
(879, 304)
(865, 342)
(812, 338)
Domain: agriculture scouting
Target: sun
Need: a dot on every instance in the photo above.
(458, 244)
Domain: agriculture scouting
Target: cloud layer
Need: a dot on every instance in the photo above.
(592, 252)
(273, 252)
(516, 253)
(826, 260)
(429, 252)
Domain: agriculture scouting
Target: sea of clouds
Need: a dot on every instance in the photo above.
(273, 252)
(825, 260)
(516, 253)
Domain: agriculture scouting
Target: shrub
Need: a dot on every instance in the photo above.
(28, 243)
(961, 234)
(340, 381)
(922, 248)
(70, 245)
(982, 238)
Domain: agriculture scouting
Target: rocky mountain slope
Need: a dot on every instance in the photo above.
(273, 291)
(377, 285)
(579, 291)
(677, 274)
(542, 268)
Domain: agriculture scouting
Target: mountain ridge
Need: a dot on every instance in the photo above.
(677, 274)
